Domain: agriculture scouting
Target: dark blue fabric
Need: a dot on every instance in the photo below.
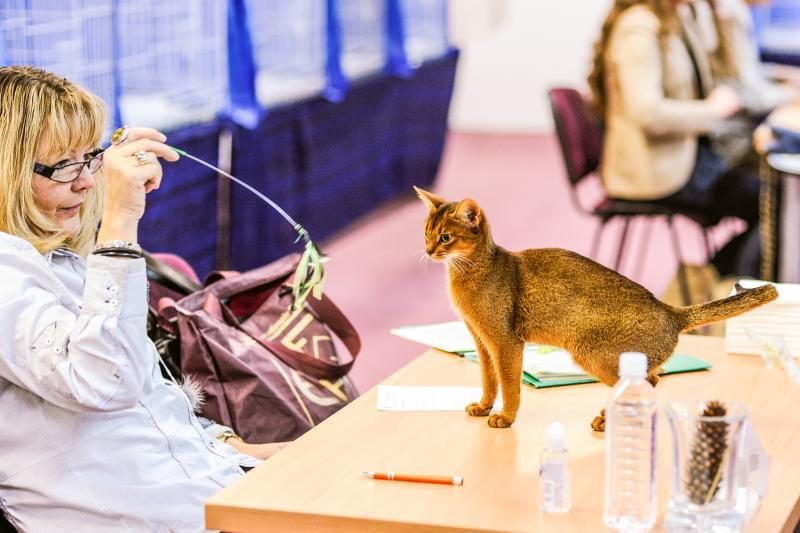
(396, 60)
(181, 215)
(336, 84)
(786, 141)
(243, 108)
(327, 164)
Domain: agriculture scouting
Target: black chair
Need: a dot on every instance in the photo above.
(5, 525)
(580, 136)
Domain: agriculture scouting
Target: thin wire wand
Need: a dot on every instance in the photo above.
(300, 229)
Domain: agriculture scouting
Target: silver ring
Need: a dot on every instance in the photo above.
(120, 135)
(141, 156)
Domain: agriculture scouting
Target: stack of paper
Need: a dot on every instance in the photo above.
(781, 317)
(543, 366)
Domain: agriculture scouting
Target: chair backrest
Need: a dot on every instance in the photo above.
(580, 134)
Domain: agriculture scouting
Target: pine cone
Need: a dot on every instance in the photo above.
(703, 471)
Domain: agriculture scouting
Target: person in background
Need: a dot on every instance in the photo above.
(760, 94)
(653, 86)
(96, 439)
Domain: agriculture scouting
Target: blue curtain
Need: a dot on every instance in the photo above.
(335, 83)
(243, 109)
(396, 60)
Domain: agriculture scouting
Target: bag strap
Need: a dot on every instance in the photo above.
(338, 323)
(321, 369)
(162, 273)
(226, 284)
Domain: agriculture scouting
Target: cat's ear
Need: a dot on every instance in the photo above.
(428, 198)
(469, 210)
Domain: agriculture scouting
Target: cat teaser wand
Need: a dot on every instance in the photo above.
(309, 277)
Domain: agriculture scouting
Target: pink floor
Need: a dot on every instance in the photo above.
(378, 279)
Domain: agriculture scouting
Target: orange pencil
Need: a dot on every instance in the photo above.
(393, 476)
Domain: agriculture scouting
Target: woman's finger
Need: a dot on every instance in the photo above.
(134, 134)
(158, 148)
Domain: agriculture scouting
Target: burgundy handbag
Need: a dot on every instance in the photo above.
(267, 372)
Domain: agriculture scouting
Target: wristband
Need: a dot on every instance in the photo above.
(118, 246)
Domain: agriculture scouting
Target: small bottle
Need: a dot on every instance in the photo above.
(630, 496)
(554, 472)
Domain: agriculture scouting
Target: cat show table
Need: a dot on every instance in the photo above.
(315, 484)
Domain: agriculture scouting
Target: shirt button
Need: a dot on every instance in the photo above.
(112, 302)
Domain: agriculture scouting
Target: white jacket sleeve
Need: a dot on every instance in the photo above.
(93, 357)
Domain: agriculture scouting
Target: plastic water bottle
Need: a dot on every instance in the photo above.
(631, 503)
(554, 471)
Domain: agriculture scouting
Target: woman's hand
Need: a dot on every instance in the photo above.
(763, 138)
(725, 101)
(130, 170)
(259, 451)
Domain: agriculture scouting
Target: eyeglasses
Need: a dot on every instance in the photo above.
(71, 171)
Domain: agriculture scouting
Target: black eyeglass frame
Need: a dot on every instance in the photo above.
(47, 172)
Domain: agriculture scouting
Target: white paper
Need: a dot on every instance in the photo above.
(447, 336)
(551, 363)
(398, 398)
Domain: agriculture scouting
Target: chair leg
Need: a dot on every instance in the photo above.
(707, 242)
(648, 229)
(621, 248)
(683, 280)
(598, 234)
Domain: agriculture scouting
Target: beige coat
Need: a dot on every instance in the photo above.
(654, 114)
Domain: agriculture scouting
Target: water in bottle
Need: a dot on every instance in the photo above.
(554, 471)
(630, 497)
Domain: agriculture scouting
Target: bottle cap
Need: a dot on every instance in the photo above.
(632, 365)
(556, 436)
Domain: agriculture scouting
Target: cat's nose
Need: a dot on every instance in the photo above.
(430, 249)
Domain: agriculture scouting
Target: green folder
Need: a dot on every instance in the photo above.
(676, 364)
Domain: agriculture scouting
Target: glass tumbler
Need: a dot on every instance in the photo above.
(708, 442)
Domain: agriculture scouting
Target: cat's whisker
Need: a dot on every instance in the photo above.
(424, 260)
(454, 261)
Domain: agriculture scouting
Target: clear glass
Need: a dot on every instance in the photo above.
(706, 484)
(72, 171)
(630, 492)
(555, 481)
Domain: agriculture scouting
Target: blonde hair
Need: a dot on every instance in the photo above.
(667, 15)
(43, 115)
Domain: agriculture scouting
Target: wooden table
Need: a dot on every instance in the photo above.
(315, 483)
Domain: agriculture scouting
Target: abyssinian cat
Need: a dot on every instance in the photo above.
(557, 297)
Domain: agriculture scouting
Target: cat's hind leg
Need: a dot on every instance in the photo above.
(509, 370)
(488, 381)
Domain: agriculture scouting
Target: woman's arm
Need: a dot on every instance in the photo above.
(96, 359)
(637, 62)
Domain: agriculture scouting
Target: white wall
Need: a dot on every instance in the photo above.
(512, 51)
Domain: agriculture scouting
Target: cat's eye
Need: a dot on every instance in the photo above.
(444, 238)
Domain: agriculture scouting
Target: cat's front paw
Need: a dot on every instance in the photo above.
(500, 420)
(476, 409)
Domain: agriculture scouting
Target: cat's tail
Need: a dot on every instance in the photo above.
(741, 302)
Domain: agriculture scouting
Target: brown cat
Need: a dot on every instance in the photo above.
(557, 297)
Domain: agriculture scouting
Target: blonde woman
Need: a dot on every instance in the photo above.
(652, 83)
(95, 439)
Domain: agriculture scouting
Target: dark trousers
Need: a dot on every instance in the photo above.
(717, 190)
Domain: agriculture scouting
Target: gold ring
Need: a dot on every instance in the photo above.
(141, 156)
(120, 135)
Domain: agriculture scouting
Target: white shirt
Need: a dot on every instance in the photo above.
(94, 439)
